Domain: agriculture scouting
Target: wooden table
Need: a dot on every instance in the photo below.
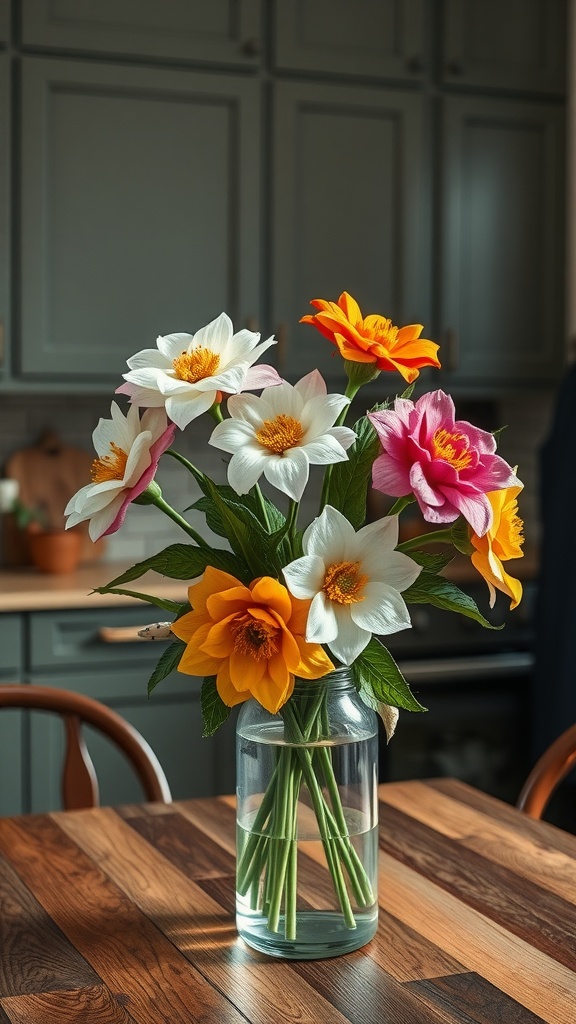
(126, 915)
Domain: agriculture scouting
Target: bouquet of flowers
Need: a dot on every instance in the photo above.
(279, 600)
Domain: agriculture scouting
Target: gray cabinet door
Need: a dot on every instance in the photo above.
(218, 31)
(505, 44)
(4, 20)
(140, 212)
(374, 38)
(4, 213)
(350, 212)
(11, 720)
(502, 253)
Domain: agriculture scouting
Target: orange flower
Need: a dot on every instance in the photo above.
(373, 339)
(502, 542)
(250, 638)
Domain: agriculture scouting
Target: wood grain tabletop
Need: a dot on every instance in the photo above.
(113, 916)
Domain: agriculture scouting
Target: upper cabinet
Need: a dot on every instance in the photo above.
(371, 39)
(505, 44)
(349, 211)
(211, 31)
(4, 21)
(501, 234)
(4, 212)
(140, 211)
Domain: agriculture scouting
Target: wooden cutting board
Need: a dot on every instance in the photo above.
(48, 474)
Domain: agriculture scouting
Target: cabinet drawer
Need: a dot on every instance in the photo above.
(72, 639)
(10, 647)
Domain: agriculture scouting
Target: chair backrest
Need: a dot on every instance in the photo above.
(551, 768)
(79, 782)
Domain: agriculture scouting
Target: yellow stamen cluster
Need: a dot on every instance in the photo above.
(280, 434)
(452, 447)
(383, 332)
(257, 639)
(196, 365)
(343, 582)
(110, 466)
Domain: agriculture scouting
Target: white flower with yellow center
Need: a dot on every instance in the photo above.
(128, 449)
(354, 581)
(280, 433)
(186, 372)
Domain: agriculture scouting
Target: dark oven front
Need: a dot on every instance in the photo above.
(476, 685)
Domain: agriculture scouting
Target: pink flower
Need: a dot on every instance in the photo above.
(128, 451)
(449, 465)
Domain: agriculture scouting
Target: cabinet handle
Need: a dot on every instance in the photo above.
(251, 47)
(414, 64)
(452, 349)
(120, 634)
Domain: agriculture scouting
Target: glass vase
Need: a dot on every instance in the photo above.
(307, 822)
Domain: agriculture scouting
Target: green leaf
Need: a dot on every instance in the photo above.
(407, 393)
(442, 593)
(378, 679)
(460, 533)
(259, 550)
(434, 562)
(178, 562)
(348, 482)
(168, 663)
(214, 710)
(158, 602)
(249, 501)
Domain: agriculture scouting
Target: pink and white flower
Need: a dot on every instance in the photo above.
(281, 433)
(128, 451)
(186, 372)
(449, 465)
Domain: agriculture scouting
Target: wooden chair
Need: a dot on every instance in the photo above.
(552, 767)
(79, 782)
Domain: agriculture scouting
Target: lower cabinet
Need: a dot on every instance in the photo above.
(67, 649)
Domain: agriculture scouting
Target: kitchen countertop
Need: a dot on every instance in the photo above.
(29, 590)
(24, 590)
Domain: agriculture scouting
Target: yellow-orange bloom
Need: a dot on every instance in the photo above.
(373, 339)
(250, 638)
(502, 542)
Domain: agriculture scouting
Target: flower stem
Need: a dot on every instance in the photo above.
(196, 473)
(181, 522)
(401, 504)
(434, 537)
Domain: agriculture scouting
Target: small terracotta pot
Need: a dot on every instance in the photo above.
(55, 550)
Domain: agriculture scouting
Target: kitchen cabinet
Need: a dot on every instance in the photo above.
(215, 31)
(177, 164)
(140, 211)
(4, 211)
(351, 207)
(373, 39)
(4, 20)
(64, 648)
(502, 253)
(505, 44)
(11, 720)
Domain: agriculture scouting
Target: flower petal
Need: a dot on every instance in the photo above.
(288, 473)
(382, 611)
(351, 639)
(305, 576)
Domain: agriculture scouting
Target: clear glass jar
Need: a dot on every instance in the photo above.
(307, 822)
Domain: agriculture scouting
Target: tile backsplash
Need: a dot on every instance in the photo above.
(145, 531)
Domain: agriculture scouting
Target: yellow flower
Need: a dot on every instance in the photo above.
(373, 339)
(502, 542)
(250, 638)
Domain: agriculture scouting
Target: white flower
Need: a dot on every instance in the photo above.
(186, 371)
(280, 433)
(354, 581)
(128, 451)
